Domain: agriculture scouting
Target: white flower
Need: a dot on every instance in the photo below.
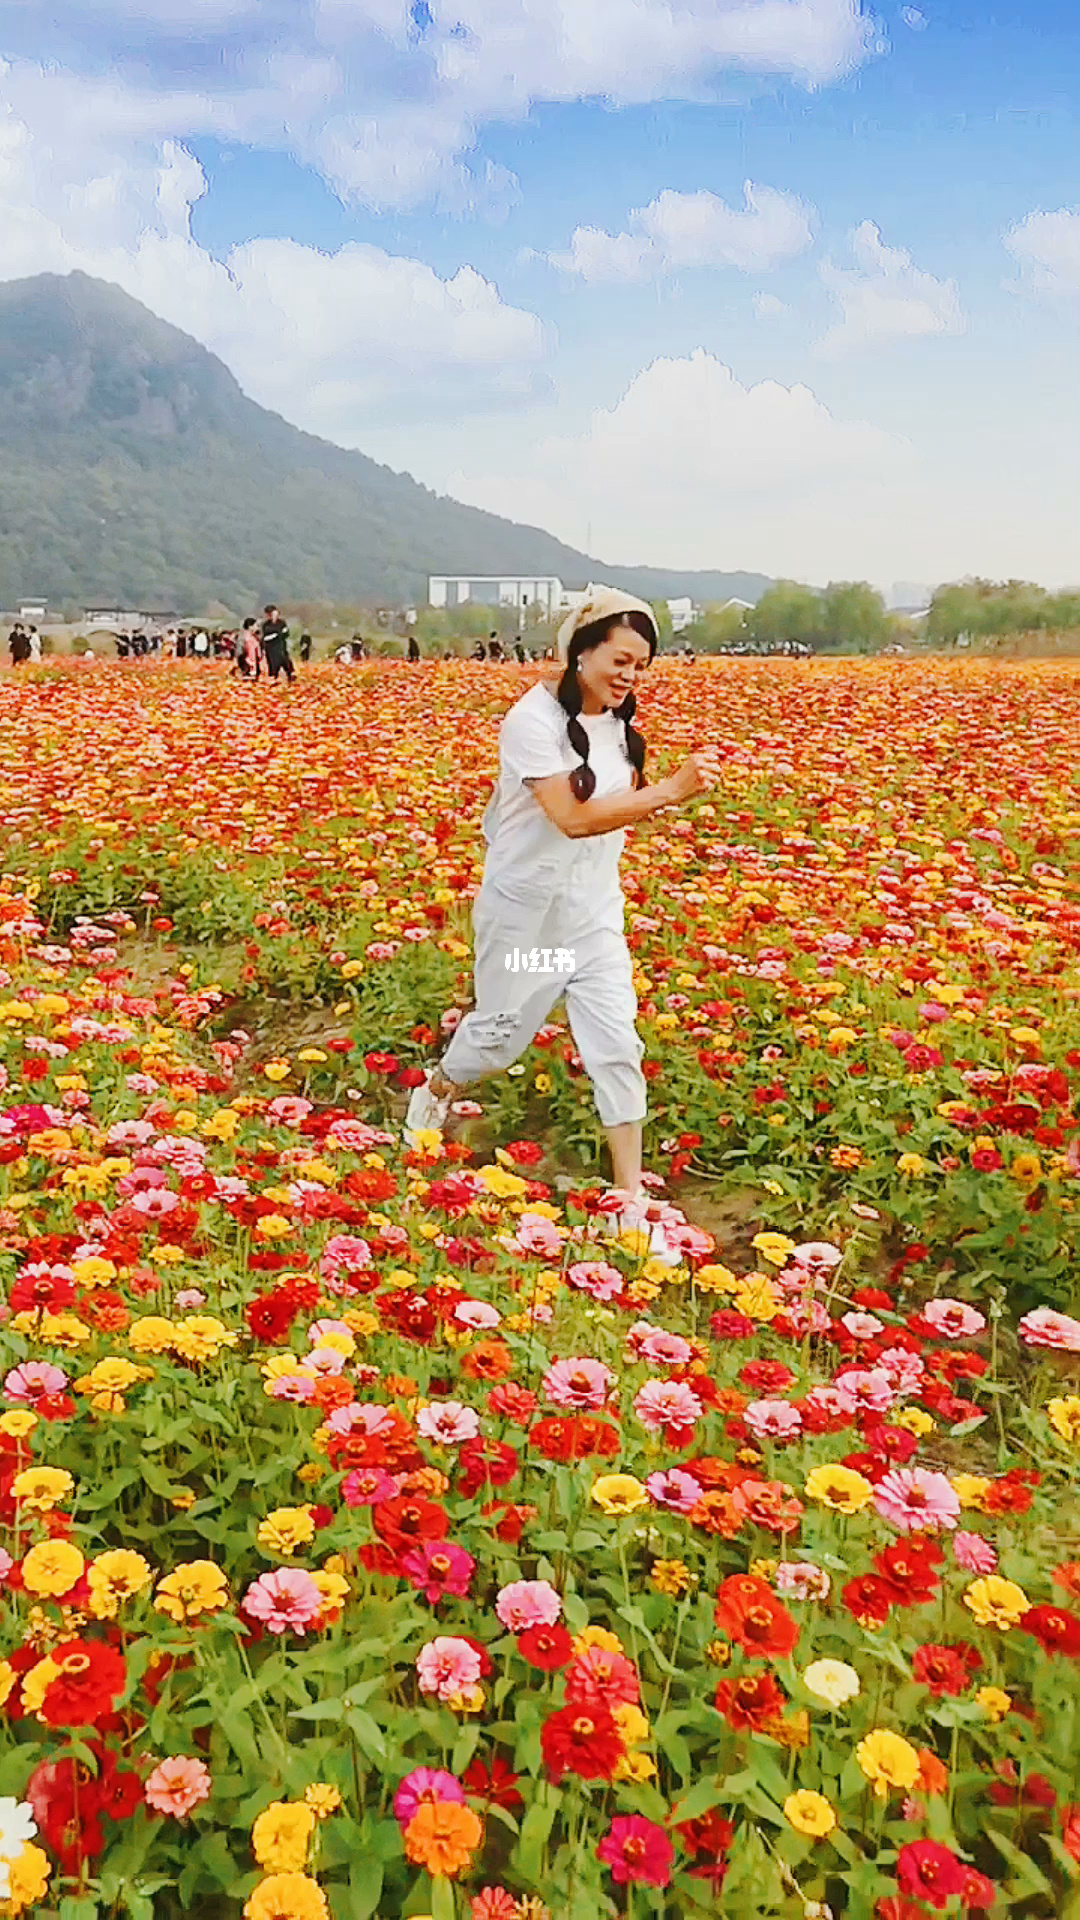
(17, 1826)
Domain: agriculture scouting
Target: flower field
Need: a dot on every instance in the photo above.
(382, 1536)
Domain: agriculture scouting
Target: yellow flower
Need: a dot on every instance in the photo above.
(273, 1226)
(596, 1637)
(996, 1602)
(151, 1334)
(809, 1813)
(840, 1488)
(635, 1766)
(193, 1588)
(56, 1329)
(323, 1800)
(758, 1298)
(93, 1272)
(618, 1493)
(471, 1700)
(912, 1163)
(994, 1702)
(112, 1375)
(915, 1419)
(335, 1590)
(37, 1682)
(18, 1423)
(52, 1568)
(286, 1529)
(543, 1082)
(40, 1489)
(287, 1896)
(8, 1677)
(200, 1337)
(1026, 1168)
(1063, 1415)
(28, 1879)
(832, 1681)
(277, 1070)
(311, 1056)
(774, 1247)
(672, 1577)
(281, 1835)
(970, 1489)
(715, 1278)
(887, 1760)
(115, 1577)
(505, 1186)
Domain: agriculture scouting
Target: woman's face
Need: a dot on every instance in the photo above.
(610, 671)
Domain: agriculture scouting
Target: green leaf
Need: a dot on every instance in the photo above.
(442, 1899)
(368, 1733)
(365, 1887)
(535, 1829)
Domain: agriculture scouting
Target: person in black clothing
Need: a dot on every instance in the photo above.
(275, 640)
(18, 644)
(413, 649)
(479, 652)
(519, 652)
(305, 647)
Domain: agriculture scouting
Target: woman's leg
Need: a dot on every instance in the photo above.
(511, 1002)
(602, 1005)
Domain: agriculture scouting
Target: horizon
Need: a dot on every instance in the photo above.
(786, 289)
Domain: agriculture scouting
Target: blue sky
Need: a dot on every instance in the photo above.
(442, 246)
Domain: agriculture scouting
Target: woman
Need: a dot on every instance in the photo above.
(570, 781)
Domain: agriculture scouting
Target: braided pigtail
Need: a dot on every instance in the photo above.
(635, 741)
(568, 693)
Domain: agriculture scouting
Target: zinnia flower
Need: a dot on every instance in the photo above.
(281, 1836)
(423, 1785)
(285, 1601)
(636, 1850)
(447, 1667)
(177, 1785)
(809, 1813)
(528, 1603)
(617, 1493)
(442, 1837)
(915, 1501)
(887, 1760)
(831, 1681)
(287, 1896)
(996, 1602)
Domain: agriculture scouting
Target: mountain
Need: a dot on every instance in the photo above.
(134, 469)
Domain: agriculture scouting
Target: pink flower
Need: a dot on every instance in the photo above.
(663, 1404)
(447, 1667)
(773, 1419)
(905, 1370)
(915, 1501)
(818, 1258)
(862, 1326)
(177, 1785)
(493, 1903)
(596, 1278)
(802, 1580)
(1046, 1328)
(953, 1319)
(536, 1234)
(326, 1360)
(449, 1424)
(835, 1402)
(676, 1491)
(6, 1564)
(293, 1386)
(871, 1386)
(342, 1255)
(637, 1849)
(285, 1601)
(973, 1553)
(155, 1204)
(320, 1329)
(659, 1348)
(478, 1315)
(578, 1383)
(436, 1569)
(366, 1486)
(35, 1380)
(189, 1298)
(528, 1603)
(425, 1786)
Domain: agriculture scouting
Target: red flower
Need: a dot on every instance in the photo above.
(496, 1784)
(946, 1669)
(270, 1315)
(869, 1599)
(907, 1568)
(548, 1648)
(401, 1523)
(749, 1612)
(574, 1436)
(1056, 1630)
(929, 1871)
(637, 1849)
(977, 1890)
(754, 1701)
(384, 1063)
(512, 1402)
(90, 1678)
(581, 1740)
(486, 1462)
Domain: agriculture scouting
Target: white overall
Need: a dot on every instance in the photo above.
(541, 890)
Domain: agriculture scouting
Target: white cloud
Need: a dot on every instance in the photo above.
(679, 230)
(886, 297)
(331, 340)
(1046, 248)
(768, 307)
(691, 468)
(389, 97)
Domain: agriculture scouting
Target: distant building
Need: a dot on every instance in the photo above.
(128, 619)
(531, 592)
(33, 609)
(683, 613)
(744, 606)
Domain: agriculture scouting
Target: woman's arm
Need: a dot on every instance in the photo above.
(581, 819)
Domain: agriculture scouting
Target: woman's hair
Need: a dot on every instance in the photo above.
(568, 694)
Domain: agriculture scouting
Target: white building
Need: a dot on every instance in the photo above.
(683, 613)
(33, 609)
(542, 593)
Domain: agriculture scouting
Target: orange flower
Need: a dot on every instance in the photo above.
(932, 1776)
(488, 1360)
(442, 1837)
(716, 1512)
(1067, 1575)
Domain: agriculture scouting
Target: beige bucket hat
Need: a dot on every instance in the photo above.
(601, 604)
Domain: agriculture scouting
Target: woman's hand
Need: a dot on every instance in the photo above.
(697, 775)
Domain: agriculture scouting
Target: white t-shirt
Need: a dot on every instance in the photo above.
(529, 859)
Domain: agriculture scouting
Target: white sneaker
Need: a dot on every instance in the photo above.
(424, 1111)
(634, 1217)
